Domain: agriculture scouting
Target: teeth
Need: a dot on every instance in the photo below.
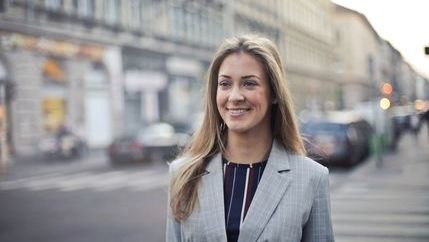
(237, 111)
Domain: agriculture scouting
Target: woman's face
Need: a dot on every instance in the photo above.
(243, 94)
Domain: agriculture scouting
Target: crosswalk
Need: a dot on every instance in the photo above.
(105, 181)
(381, 212)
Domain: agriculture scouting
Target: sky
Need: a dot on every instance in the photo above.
(404, 23)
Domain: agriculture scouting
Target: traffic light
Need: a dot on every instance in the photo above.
(386, 90)
(385, 103)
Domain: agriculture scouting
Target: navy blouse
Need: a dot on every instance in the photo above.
(240, 183)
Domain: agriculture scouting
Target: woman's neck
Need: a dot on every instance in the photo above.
(246, 149)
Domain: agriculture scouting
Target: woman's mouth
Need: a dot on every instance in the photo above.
(237, 111)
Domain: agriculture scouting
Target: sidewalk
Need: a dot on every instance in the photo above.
(387, 203)
(410, 161)
(23, 166)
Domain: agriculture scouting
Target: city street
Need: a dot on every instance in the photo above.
(113, 81)
(88, 200)
(83, 200)
(387, 203)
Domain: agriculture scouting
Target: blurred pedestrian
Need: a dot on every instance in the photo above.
(415, 125)
(62, 131)
(244, 176)
(397, 131)
(425, 118)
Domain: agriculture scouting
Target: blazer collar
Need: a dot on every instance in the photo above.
(270, 191)
(212, 200)
(273, 185)
(278, 160)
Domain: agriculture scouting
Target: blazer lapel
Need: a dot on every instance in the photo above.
(270, 191)
(212, 201)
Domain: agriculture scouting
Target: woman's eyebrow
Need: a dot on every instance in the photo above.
(243, 77)
(226, 76)
(250, 76)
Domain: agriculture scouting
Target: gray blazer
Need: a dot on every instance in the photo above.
(291, 203)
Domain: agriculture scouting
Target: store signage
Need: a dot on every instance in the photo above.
(49, 46)
(53, 70)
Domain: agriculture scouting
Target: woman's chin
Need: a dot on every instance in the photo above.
(237, 129)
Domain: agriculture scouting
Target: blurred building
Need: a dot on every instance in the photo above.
(358, 57)
(252, 16)
(391, 62)
(108, 67)
(308, 50)
(59, 73)
(303, 30)
(365, 61)
(104, 68)
(408, 84)
(4, 96)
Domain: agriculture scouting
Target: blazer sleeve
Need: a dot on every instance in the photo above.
(319, 225)
(173, 232)
(173, 227)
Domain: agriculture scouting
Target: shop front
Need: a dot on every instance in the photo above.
(145, 82)
(184, 91)
(58, 84)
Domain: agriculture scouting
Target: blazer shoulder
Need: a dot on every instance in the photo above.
(176, 164)
(305, 163)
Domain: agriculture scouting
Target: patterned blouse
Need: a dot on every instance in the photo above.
(240, 183)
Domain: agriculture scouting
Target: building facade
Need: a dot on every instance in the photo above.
(364, 62)
(303, 30)
(358, 57)
(104, 68)
(308, 50)
(391, 69)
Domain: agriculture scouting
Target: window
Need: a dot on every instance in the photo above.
(2, 5)
(135, 18)
(112, 11)
(85, 8)
(53, 4)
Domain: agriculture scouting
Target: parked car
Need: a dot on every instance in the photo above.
(155, 142)
(337, 142)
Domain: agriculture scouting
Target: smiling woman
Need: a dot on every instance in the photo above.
(244, 175)
(243, 96)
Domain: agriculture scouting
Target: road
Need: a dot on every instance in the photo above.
(84, 200)
(88, 200)
(387, 203)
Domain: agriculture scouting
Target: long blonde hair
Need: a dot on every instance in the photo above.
(209, 139)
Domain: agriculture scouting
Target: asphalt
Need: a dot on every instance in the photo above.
(388, 200)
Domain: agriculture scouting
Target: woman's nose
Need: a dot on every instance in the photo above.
(236, 95)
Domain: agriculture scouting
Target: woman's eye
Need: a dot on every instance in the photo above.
(223, 83)
(250, 83)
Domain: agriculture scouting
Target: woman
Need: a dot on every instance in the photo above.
(244, 176)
